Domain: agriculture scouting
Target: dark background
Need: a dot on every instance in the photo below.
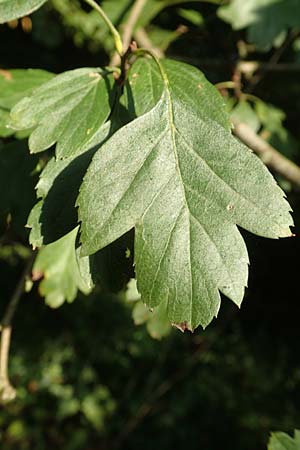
(89, 379)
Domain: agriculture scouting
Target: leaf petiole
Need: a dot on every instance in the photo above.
(113, 30)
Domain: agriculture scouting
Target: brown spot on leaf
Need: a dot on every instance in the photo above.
(37, 275)
(200, 86)
(182, 326)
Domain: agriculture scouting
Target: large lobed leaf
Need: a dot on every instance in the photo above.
(68, 110)
(14, 9)
(184, 182)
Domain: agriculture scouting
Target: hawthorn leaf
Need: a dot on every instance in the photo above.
(63, 271)
(14, 9)
(67, 110)
(14, 85)
(18, 83)
(243, 112)
(55, 214)
(145, 87)
(282, 441)
(265, 19)
(183, 182)
(297, 438)
(156, 320)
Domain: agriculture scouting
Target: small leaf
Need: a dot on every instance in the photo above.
(14, 9)
(184, 182)
(63, 271)
(67, 110)
(156, 320)
(14, 85)
(158, 325)
(265, 19)
(243, 112)
(282, 441)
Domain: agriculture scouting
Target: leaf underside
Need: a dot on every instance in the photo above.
(184, 183)
(67, 111)
(14, 9)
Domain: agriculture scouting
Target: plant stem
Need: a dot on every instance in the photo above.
(268, 154)
(128, 28)
(113, 30)
(133, 17)
(144, 41)
(225, 85)
(7, 391)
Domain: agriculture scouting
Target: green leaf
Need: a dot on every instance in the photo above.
(157, 322)
(58, 187)
(178, 176)
(243, 112)
(14, 85)
(195, 17)
(297, 438)
(14, 9)
(265, 19)
(282, 441)
(145, 87)
(67, 110)
(63, 271)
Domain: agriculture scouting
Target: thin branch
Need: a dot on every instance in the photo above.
(7, 391)
(143, 40)
(128, 27)
(274, 60)
(133, 17)
(268, 154)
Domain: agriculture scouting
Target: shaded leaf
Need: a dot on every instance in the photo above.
(14, 85)
(67, 110)
(63, 271)
(14, 9)
(178, 176)
(282, 441)
(157, 322)
(58, 187)
(243, 112)
(265, 19)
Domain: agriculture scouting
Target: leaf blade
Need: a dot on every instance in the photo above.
(184, 185)
(67, 111)
(14, 9)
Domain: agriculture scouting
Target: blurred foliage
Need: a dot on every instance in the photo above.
(87, 377)
(282, 441)
(86, 382)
